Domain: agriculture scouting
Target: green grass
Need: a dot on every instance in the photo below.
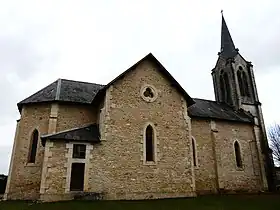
(227, 202)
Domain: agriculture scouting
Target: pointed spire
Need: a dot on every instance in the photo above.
(227, 46)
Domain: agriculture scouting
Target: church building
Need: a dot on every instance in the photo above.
(142, 136)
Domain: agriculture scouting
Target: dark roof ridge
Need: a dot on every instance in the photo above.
(205, 99)
(213, 109)
(64, 90)
(67, 130)
(58, 88)
(88, 133)
(38, 91)
(217, 102)
(70, 80)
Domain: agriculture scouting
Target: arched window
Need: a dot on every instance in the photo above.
(228, 91)
(237, 152)
(240, 83)
(243, 82)
(222, 85)
(149, 140)
(225, 87)
(33, 147)
(194, 152)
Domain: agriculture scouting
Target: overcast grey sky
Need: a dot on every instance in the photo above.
(94, 41)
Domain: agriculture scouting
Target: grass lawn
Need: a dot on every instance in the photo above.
(237, 202)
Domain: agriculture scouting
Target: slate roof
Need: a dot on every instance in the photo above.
(66, 91)
(89, 133)
(82, 92)
(228, 49)
(212, 109)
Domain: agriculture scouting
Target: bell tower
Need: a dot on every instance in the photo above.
(234, 84)
(233, 76)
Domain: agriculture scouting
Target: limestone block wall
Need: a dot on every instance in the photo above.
(56, 178)
(25, 177)
(118, 167)
(217, 168)
(75, 115)
(205, 173)
(248, 178)
(55, 171)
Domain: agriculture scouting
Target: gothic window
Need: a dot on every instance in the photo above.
(237, 152)
(33, 147)
(240, 82)
(243, 82)
(246, 86)
(79, 151)
(227, 90)
(194, 152)
(77, 177)
(149, 143)
(222, 88)
(225, 87)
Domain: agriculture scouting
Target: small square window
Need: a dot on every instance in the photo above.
(79, 151)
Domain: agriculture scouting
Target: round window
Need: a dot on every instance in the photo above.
(148, 93)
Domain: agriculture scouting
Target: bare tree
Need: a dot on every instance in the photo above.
(274, 137)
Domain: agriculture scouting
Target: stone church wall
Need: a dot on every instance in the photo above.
(55, 174)
(118, 167)
(25, 177)
(235, 179)
(74, 116)
(205, 174)
(217, 168)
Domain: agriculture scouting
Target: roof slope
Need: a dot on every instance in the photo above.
(48, 93)
(212, 109)
(64, 90)
(89, 133)
(83, 92)
(228, 49)
(161, 69)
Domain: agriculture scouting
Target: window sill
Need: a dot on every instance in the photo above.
(31, 165)
(76, 192)
(150, 163)
(240, 169)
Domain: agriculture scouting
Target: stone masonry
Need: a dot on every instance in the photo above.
(126, 117)
(143, 136)
(25, 178)
(116, 167)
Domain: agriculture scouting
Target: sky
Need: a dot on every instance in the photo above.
(94, 41)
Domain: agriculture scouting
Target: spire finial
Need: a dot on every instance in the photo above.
(222, 12)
